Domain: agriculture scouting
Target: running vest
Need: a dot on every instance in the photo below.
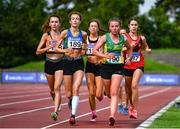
(116, 49)
(73, 42)
(137, 56)
(50, 40)
(90, 46)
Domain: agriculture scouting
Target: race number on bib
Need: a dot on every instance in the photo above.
(61, 46)
(135, 57)
(75, 44)
(90, 49)
(53, 43)
(116, 60)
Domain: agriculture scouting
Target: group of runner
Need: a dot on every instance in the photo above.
(110, 58)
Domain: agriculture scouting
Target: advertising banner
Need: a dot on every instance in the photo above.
(9, 77)
(39, 77)
(159, 79)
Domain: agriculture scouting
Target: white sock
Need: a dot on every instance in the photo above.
(75, 101)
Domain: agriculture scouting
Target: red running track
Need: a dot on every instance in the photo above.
(30, 105)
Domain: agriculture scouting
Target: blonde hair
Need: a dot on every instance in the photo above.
(115, 19)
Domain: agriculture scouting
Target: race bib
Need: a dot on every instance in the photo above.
(135, 57)
(116, 60)
(61, 46)
(53, 43)
(90, 49)
(75, 44)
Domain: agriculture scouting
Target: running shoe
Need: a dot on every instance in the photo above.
(125, 111)
(93, 118)
(120, 108)
(70, 104)
(111, 121)
(72, 120)
(130, 110)
(54, 116)
(133, 114)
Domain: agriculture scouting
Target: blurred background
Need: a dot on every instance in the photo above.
(21, 22)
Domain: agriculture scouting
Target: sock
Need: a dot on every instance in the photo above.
(75, 101)
(94, 112)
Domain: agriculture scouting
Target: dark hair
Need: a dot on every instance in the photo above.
(132, 19)
(115, 19)
(98, 23)
(46, 27)
(75, 12)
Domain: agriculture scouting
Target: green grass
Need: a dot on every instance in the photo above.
(154, 66)
(151, 66)
(164, 50)
(31, 66)
(170, 119)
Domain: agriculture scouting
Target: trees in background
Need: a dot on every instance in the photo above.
(162, 25)
(20, 29)
(21, 22)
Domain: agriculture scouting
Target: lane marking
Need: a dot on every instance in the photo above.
(41, 99)
(44, 108)
(27, 101)
(39, 109)
(152, 118)
(21, 96)
(141, 97)
(22, 92)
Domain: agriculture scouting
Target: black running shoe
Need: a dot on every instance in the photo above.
(111, 121)
(72, 120)
(93, 118)
(54, 116)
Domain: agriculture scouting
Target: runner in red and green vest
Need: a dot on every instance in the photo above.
(112, 68)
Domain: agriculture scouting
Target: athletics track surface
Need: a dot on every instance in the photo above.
(30, 105)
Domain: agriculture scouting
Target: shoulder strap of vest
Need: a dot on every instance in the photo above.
(49, 34)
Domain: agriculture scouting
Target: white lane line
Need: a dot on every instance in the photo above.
(27, 101)
(86, 114)
(141, 97)
(41, 99)
(39, 109)
(151, 119)
(153, 93)
(21, 96)
(29, 111)
(22, 92)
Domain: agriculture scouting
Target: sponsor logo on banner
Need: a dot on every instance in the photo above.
(39, 77)
(159, 79)
(19, 77)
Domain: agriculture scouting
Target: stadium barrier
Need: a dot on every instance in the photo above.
(39, 77)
